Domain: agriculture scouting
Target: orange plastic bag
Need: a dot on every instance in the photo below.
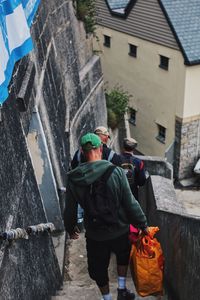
(146, 264)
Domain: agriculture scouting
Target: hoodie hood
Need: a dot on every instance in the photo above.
(86, 173)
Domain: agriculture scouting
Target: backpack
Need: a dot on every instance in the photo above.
(128, 166)
(99, 206)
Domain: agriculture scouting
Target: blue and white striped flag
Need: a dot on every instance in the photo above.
(15, 40)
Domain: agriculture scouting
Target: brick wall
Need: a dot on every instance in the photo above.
(186, 148)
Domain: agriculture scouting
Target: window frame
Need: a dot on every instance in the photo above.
(164, 62)
(134, 48)
(131, 120)
(161, 137)
(108, 42)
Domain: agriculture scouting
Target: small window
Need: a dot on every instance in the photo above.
(107, 41)
(132, 50)
(164, 62)
(161, 134)
(132, 117)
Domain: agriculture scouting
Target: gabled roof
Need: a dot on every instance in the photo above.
(184, 18)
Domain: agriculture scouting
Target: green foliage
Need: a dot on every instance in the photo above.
(117, 104)
(112, 118)
(86, 12)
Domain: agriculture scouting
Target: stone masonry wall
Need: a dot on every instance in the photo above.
(179, 236)
(61, 80)
(186, 148)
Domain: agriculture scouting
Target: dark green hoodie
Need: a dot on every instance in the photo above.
(129, 211)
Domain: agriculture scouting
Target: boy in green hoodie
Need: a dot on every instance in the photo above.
(101, 242)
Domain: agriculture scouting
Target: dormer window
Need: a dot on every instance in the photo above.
(119, 7)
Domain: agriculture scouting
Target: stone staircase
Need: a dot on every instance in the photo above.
(76, 290)
(77, 284)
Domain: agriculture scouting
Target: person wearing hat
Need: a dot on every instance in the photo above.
(100, 241)
(138, 171)
(107, 153)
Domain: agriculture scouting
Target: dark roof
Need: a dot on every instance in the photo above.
(184, 19)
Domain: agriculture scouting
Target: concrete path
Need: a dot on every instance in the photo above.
(78, 285)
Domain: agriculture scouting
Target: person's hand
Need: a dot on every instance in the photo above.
(75, 234)
(144, 231)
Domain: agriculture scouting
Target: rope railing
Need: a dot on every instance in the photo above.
(21, 233)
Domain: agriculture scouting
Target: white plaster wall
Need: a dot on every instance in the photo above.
(158, 95)
(192, 92)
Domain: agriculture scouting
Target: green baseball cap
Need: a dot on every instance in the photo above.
(90, 141)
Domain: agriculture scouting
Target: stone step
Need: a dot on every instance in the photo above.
(76, 290)
(78, 285)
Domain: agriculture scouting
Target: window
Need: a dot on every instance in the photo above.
(107, 41)
(132, 117)
(161, 134)
(132, 50)
(164, 62)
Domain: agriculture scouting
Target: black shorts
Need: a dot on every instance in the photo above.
(98, 254)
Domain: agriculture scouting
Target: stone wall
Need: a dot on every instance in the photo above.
(157, 166)
(179, 236)
(60, 82)
(186, 148)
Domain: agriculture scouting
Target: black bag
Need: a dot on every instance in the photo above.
(128, 165)
(99, 206)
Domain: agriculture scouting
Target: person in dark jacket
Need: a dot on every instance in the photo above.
(127, 157)
(101, 242)
(107, 153)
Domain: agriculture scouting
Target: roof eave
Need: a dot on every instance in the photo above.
(192, 63)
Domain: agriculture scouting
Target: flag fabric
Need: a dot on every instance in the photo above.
(16, 17)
